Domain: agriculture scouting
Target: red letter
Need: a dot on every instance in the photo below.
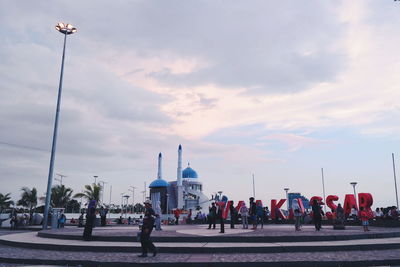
(239, 205)
(277, 208)
(329, 202)
(365, 200)
(319, 199)
(349, 202)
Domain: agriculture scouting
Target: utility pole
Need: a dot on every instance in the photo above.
(61, 178)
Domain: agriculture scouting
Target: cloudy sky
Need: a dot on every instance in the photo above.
(280, 89)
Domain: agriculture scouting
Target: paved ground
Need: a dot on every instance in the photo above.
(201, 230)
(345, 256)
(16, 256)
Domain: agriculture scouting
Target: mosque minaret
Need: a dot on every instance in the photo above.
(183, 193)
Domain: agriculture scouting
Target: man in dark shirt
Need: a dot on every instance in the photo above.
(147, 227)
(212, 215)
(253, 212)
(233, 212)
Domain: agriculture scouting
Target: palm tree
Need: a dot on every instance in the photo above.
(28, 199)
(5, 201)
(60, 195)
(92, 192)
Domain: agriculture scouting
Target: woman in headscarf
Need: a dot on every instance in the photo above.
(90, 219)
(244, 213)
(297, 214)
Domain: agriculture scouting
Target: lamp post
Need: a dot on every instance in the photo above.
(395, 183)
(95, 178)
(102, 189)
(354, 189)
(167, 195)
(287, 198)
(122, 203)
(65, 29)
(126, 205)
(132, 189)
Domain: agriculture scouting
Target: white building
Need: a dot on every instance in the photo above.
(184, 193)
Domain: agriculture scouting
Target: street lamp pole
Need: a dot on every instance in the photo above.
(395, 183)
(323, 187)
(354, 189)
(287, 198)
(132, 189)
(65, 29)
(102, 189)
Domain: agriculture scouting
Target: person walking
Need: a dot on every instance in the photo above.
(244, 213)
(297, 214)
(212, 215)
(147, 228)
(317, 215)
(157, 210)
(90, 220)
(233, 213)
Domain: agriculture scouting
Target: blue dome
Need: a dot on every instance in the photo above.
(159, 183)
(189, 173)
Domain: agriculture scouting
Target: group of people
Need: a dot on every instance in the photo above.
(255, 214)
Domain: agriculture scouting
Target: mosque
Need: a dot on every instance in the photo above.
(184, 193)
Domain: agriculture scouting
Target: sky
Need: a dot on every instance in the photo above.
(278, 89)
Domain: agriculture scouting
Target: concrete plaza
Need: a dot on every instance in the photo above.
(275, 245)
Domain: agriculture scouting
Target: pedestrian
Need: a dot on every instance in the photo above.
(233, 213)
(212, 215)
(297, 214)
(220, 216)
(80, 219)
(189, 217)
(90, 219)
(103, 216)
(253, 212)
(176, 214)
(364, 219)
(147, 228)
(353, 213)
(244, 213)
(317, 215)
(259, 215)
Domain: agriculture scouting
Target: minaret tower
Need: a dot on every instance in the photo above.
(159, 173)
(179, 179)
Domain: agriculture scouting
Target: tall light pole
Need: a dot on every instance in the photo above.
(65, 29)
(122, 203)
(354, 189)
(126, 205)
(395, 183)
(132, 189)
(102, 189)
(323, 187)
(95, 178)
(287, 198)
